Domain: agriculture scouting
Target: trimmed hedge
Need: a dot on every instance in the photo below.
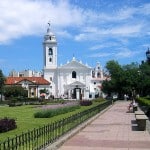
(144, 101)
(85, 102)
(7, 124)
(53, 112)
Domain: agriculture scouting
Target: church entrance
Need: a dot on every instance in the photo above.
(76, 90)
(76, 93)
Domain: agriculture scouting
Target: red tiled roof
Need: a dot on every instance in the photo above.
(35, 80)
(99, 86)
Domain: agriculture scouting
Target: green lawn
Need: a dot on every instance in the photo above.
(24, 116)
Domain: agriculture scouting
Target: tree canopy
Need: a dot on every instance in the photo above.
(127, 79)
(15, 91)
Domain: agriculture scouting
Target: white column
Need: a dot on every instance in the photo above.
(78, 94)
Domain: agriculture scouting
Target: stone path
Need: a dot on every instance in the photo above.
(113, 130)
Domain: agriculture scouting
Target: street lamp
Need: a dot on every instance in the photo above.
(148, 55)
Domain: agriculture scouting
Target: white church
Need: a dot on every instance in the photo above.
(73, 80)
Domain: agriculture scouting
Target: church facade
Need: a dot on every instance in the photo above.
(73, 80)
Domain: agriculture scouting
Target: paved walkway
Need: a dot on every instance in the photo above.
(113, 130)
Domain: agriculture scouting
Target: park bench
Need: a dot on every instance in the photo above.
(135, 108)
(139, 112)
(141, 121)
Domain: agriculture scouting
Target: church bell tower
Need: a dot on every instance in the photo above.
(50, 49)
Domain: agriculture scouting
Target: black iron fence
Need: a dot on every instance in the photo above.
(42, 137)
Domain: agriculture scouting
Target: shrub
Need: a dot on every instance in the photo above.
(53, 112)
(29, 99)
(99, 100)
(85, 103)
(143, 101)
(7, 124)
(14, 105)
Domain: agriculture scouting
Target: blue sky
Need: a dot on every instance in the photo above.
(91, 30)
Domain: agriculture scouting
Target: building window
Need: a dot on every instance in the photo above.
(51, 79)
(50, 51)
(98, 75)
(50, 59)
(93, 74)
(74, 74)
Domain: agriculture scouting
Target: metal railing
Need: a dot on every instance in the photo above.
(42, 137)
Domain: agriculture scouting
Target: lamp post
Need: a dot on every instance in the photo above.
(148, 55)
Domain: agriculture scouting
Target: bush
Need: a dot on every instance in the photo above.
(29, 99)
(143, 101)
(85, 102)
(53, 112)
(7, 124)
(99, 100)
(14, 105)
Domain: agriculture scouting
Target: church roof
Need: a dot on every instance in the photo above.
(35, 80)
(75, 64)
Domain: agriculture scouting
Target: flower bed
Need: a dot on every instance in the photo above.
(47, 113)
(7, 124)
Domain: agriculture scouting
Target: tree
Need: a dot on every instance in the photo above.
(15, 91)
(115, 71)
(144, 75)
(131, 79)
(2, 83)
(124, 79)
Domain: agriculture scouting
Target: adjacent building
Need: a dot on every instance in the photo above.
(32, 84)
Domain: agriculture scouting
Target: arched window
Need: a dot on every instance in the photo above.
(73, 74)
(98, 75)
(50, 52)
(50, 59)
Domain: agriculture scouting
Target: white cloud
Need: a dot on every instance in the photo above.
(126, 30)
(124, 22)
(146, 45)
(98, 55)
(126, 53)
(64, 34)
(144, 9)
(27, 17)
(104, 45)
(121, 31)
